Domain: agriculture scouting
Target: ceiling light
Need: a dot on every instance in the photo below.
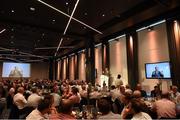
(103, 15)
(150, 29)
(175, 21)
(67, 3)
(53, 21)
(12, 11)
(12, 37)
(32, 9)
(12, 29)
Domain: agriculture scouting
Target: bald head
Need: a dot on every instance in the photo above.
(136, 94)
(21, 90)
(138, 87)
(66, 106)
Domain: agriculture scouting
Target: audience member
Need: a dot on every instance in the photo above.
(75, 98)
(143, 93)
(19, 99)
(175, 95)
(137, 111)
(156, 92)
(42, 109)
(83, 91)
(164, 107)
(105, 108)
(65, 110)
(57, 98)
(34, 98)
(95, 94)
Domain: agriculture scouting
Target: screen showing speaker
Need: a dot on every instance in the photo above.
(159, 70)
(16, 69)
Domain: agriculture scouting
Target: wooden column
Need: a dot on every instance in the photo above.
(132, 58)
(67, 67)
(90, 61)
(173, 31)
(105, 57)
(76, 65)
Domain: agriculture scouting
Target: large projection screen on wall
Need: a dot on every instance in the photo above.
(16, 70)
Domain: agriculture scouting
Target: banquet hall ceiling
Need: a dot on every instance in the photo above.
(26, 26)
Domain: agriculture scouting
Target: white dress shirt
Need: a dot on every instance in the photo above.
(110, 116)
(141, 116)
(57, 99)
(35, 115)
(19, 100)
(114, 94)
(33, 100)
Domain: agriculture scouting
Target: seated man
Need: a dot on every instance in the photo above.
(19, 99)
(34, 98)
(143, 93)
(135, 107)
(156, 92)
(83, 92)
(105, 108)
(75, 98)
(42, 109)
(164, 107)
(65, 109)
(95, 94)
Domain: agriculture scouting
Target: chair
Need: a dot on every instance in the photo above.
(14, 113)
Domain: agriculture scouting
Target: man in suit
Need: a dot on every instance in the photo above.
(157, 74)
(16, 72)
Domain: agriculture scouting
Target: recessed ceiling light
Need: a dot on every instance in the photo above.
(53, 20)
(12, 11)
(67, 3)
(103, 15)
(12, 29)
(32, 9)
(12, 37)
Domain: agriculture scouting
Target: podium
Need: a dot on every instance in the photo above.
(104, 79)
